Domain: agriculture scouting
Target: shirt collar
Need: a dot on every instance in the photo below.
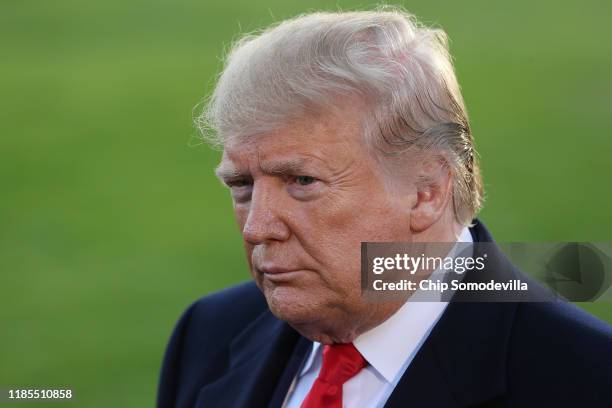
(314, 352)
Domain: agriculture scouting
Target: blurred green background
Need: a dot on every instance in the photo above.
(111, 221)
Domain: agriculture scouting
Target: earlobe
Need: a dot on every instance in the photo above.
(432, 198)
(424, 213)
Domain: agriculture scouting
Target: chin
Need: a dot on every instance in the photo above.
(292, 305)
(312, 318)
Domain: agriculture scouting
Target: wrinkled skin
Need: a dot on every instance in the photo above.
(304, 199)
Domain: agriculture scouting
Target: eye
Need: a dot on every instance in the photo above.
(241, 189)
(305, 180)
(239, 182)
(305, 188)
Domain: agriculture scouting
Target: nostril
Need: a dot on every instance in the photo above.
(265, 229)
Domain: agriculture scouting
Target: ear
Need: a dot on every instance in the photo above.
(434, 192)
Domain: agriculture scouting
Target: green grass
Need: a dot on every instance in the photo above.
(111, 221)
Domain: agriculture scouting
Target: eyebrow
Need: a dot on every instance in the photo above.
(226, 171)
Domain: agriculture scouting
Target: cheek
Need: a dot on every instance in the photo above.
(360, 217)
(332, 235)
(338, 230)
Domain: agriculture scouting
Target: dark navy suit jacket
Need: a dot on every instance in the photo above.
(228, 350)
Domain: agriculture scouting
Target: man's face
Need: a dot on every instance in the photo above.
(304, 198)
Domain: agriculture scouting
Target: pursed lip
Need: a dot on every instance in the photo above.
(271, 269)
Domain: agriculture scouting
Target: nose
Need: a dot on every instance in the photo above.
(263, 223)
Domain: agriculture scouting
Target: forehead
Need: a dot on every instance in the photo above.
(329, 139)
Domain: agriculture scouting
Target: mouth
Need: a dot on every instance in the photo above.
(274, 269)
(278, 274)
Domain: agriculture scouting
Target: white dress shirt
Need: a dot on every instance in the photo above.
(389, 348)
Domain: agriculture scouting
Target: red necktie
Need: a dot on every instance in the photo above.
(341, 362)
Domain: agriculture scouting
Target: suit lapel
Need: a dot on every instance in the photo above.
(295, 362)
(423, 384)
(463, 361)
(258, 357)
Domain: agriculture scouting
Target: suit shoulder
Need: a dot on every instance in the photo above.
(198, 348)
(237, 304)
(223, 311)
(563, 321)
(552, 348)
(215, 319)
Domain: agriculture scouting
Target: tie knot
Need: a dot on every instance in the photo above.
(341, 362)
